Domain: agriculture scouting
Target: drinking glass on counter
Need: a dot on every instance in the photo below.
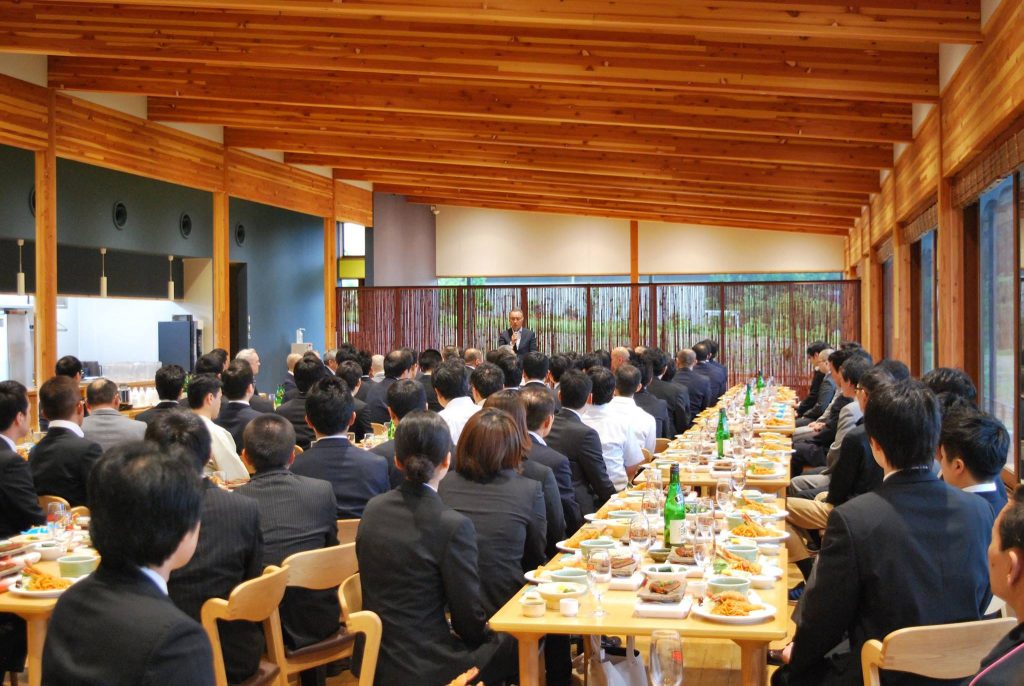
(57, 521)
(640, 534)
(599, 574)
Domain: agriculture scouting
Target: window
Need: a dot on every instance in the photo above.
(888, 304)
(742, 278)
(922, 262)
(353, 240)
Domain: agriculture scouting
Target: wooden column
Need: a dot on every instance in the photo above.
(950, 280)
(634, 281)
(221, 271)
(871, 321)
(330, 283)
(46, 254)
(902, 323)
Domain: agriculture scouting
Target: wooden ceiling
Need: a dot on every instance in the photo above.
(758, 113)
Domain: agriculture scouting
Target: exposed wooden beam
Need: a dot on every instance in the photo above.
(46, 259)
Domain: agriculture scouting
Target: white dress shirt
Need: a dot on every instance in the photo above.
(70, 426)
(9, 442)
(160, 582)
(645, 426)
(456, 413)
(225, 459)
(618, 443)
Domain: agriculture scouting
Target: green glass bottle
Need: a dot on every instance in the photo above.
(279, 397)
(748, 401)
(760, 381)
(675, 511)
(722, 433)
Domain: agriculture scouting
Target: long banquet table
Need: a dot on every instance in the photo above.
(36, 613)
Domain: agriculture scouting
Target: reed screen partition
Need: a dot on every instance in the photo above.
(760, 326)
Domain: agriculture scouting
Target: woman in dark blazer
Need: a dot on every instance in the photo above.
(506, 508)
(418, 557)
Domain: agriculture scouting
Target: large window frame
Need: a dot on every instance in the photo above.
(923, 293)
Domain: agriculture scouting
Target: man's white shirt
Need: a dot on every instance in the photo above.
(618, 442)
(456, 413)
(225, 459)
(645, 427)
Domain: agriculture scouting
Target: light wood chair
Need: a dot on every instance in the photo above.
(351, 596)
(298, 449)
(319, 570)
(942, 651)
(45, 500)
(647, 455)
(347, 530)
(80, 511)
(378, 429)
(661, 445)
(256, 600)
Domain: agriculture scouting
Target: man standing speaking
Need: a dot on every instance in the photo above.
(521, 339)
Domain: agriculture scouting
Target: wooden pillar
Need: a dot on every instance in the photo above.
(634, 281)
(950, 280)
(871, 323)
(221, 271)
(902, 323)
(330, 283)
(46, 254)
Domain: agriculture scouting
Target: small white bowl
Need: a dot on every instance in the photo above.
(665, 572)
(768, 548)
(49, 550)
(532, 605)
(555, 591)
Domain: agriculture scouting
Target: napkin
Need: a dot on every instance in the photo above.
(667, 610)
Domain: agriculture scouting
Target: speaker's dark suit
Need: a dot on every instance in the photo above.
(910, 553)
(298, 514)
(677, 397)
(295, 412)
(19, 505)
(163, 406)
(61, 463)
(230, 551)
(377, 401)
(417, 558)
(235, 417)
(116, 628)
(657, 408)
(560, 467)
(355, 475)
(527, 341)
(553, 514)
(581, 444)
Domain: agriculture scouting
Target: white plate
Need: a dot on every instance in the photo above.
(531, 577)
(774, 475)
(16, 589)
(561, 545)
(704, 612)
(761, 539)
(780, 514)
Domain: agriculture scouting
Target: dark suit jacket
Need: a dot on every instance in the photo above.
(811, 399)
(290, 389)
(361, 426)
(387, 451)
(827, 435)
(417, 558)
(709, 373)
(230, 551)
(376, 401)
(677, 398)
(527, 340)
(657, 408)
(116, 628)
(553, 513)
(235, 417)
(720, 374)
(263, 405)
(507, 512)
(19, 505)
(562, 470)
(581, 444)
(355, 475)
(912, 552)
(364, 388)
(61, 463)
(427, 380)
(163, 406)
(996, 499)
(699, 388)
(294, 411)
(826, 390)
(855, 470)
(298, 514)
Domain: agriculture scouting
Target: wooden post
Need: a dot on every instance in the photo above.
(330, 283)
(46, 254)
(221, 271)
(950, 280)
(902, 324)
(634, 283)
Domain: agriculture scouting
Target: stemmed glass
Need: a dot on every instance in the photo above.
(640, 534)
(703, 549)
(723, 495)
(599, 574)
(738, 476)
(666, 658)
(57, 522)
(650, 506)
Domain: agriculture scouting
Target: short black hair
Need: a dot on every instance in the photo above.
(101, 392)
(536, 365)
(429, 359)
(329, 406)
(221, 355)
(307, 372)
(950, 380)
(627, 378)
(656, 358)
(13, 400)
(396, 363)
(875, 378)
(977, 438)
(701, 351)
(450, 379)
(588, 361)
(143, 501)
(904, 419)
(899, 370)
(853, 369)
(422, 441)
(405, 396)
(511, 369)
(816, 347)
(185, 430)
(646, 371)
(602, 385)
(712, 347)
(350, 372)
(487, 378)
(1011, 526)
(365, 361)
(574, 389)
(58, 397)
(170, 379)
(269, 442)
(69, 366)
(539, 404)
(557, 366)
(200, 386)
(236, 379)
(208, 364)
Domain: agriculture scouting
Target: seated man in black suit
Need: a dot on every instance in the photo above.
(705, 369)
(648, 402)
(716, 365)
(61, 462)
(239, 387)
(521, 339)
(117, 626)
(297, 514)
(511, 367)
(230, 548)
(170, 379)
(811, 399)
(308, 371)
(675, 395)
(697, 385)
(430, 360)
(910, 553)
(355, 475)
(397, 365)
(540, 415)
(351, 373)
(580, 443)
(258, 403)
(404, 396)
(972, 452)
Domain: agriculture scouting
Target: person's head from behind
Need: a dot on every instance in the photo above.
(450, 380)
(60, 399)
(852, 371)
(627, 380)
(204, 394)
(330, 409)
(14, 419)
(511, 369)
(486, 380)
(950, 380)
(208, 364)
(575, 389)
(451, 352)
(145, 504)
(657, 359)
(972, 447)
(292, 360)
(490, 442)
(308, 371)
(351, 373)
(102, 394)
(814, 349)
(405, 396)
(602, 385)
(170, 379)
(535, 366)
(899, 370)
(69, 366)
(619, 357)
(184, 430)
(558, 366)
(252, 357)
(712, 348)
(508, 401)
(902, 421)
(700, 350)
(473, 357)
(685, 359)
(540, 409)
(397, 364)
(423, 447)
(870, 381)
(269, 442)
(222, 357)
(238, 380)
(1006, 552)
(429, 360)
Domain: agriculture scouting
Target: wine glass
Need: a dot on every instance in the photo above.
(368, 440)
(738, 476)
(723, 495)
(703, 549)
(57, 521)
(650, 505)
(705, 516)
(599, 574)
(666, 658)
(640, 534)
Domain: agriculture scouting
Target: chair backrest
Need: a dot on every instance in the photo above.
(647, 455)
(83, 511)
(378, 429)
(45, 500)
(660, 445)
(347, 530)
(942, 651)
(351, 596)
(298, 449)
(320, 569)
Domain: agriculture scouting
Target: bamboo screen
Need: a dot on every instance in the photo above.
(760, 326)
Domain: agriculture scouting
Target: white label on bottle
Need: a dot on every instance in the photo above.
(727, 446)
(676, 531)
